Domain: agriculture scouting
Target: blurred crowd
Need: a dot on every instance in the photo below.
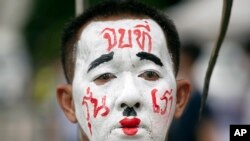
(28, 108)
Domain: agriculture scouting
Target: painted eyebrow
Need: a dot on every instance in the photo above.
(103, 58)
(150, 57)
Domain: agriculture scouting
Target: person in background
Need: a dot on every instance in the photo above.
(187, 127)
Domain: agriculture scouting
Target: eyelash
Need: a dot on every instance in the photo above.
(102, 79)
(147, 75)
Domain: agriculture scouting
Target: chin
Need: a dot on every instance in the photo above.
(118, 135)
(128, 138)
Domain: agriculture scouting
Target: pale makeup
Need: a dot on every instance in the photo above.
(138, 96)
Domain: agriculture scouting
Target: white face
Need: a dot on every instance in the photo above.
(124, 86)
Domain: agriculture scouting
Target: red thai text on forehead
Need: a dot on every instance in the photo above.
(122, 38)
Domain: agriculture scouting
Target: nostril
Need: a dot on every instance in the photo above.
(129, 111)
(123, 105)
(137, 105)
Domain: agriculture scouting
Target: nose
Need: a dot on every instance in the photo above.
(129, 111)
(130, 99)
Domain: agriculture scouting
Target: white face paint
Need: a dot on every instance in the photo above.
(124, 86)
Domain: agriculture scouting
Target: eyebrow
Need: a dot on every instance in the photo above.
(150, 57)
(102, 59)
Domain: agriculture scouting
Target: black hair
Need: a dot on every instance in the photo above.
(115, 8)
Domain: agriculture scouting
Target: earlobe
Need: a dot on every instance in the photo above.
(65, 100)
(182, 96)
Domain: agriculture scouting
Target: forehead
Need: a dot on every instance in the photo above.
(100, 37)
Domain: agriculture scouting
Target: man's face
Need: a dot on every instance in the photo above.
(124, 86)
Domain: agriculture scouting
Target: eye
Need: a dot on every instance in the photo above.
(104, 78)
(150, 75)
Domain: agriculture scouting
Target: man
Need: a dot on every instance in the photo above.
(120, 60)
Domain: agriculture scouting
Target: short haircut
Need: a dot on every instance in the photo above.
(115, 8)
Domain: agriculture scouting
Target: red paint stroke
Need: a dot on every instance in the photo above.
(156, 107)
(103, 106)
(167, 96)
(90, 129)
(141, 33)
(89, 97)
(108, 34)
(143, 26)
(122, 33)
(130, 126)
(84, 102)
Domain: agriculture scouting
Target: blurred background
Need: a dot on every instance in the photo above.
(30, 69)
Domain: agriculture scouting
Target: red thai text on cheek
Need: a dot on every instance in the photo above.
(140, 32)
(96, 109)
(167, 97)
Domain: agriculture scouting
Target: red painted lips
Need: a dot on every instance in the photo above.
(130, 126)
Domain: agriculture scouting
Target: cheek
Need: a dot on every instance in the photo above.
(162, 110)
(160, 98)
(94, 107)
(161, 105)
(162, 101)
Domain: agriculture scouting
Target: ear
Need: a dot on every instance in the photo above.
(65, 100)
(182, 96)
